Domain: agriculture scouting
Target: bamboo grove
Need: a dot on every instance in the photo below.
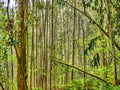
(59, 45)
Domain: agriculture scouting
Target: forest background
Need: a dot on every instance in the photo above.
(59, 44)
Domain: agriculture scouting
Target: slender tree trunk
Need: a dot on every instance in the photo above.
(12, 65)
(32, 50)
(67, 50)
(73, 46)
(36, 46)
(111, 34)
(44, 46)
(46, 50)
(52, 44)
(84, 58)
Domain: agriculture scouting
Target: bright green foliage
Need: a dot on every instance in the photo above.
(3, 48)
(73, 85)
(113, 87)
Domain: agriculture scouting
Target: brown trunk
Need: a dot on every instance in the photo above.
(21, 48)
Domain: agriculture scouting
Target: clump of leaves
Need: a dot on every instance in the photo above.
(91, 45)
(96, 60)
(12, 40)
(111, 87)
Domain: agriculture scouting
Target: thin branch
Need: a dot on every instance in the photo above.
(83, 71)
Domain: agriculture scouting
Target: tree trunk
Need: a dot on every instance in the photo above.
(21, 47)
(111, 34)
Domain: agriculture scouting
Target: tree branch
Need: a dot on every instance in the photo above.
(2, 86)
(83, 71)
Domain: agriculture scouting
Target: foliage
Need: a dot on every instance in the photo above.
(5, 43)
(113, 87)
(96, 60)
(61, 3)
(73, 85)
(116, 17)
(91, 45)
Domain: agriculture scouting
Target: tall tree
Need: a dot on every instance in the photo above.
(21, 47)
(52, 44)
(84, 58)
(73, 46)
(111, 34)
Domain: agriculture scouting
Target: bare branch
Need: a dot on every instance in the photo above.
(83, 71)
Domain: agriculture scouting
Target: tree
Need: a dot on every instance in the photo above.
(21, 47)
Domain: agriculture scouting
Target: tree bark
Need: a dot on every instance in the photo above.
(21, 47)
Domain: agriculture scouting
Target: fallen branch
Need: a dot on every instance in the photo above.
(82, 71)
